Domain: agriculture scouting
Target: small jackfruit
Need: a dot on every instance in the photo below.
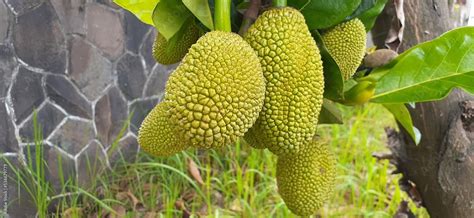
(346, 44)
(173, 50)
(306, 180)
(158, 135)
(217, 91)
(293, 71)
(360, 93)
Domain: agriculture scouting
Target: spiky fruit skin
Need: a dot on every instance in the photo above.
(293, 71)
(346, 43)
(254, 140)
(217, 91)
(158, 135)
(166, 53)
(306, 180)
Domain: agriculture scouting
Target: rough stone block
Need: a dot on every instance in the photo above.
(157, 80)
(27, 93)
(4, 21)
(110, 116)
(23, 6)
(104, 29)
(39, 40)
(63, 92)
(48, 117)
(125, 151)
(71, 14)
(135, 32)
(7, 67)
(131, 76)
(90, 162)
(147, 50)
(8, 142)
(73, 136)
(139, 110)
(88, 68)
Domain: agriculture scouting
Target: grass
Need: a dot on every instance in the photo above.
(32, 176)
(239, 181)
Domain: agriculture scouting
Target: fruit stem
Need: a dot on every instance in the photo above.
(222, 15)
(279, 3)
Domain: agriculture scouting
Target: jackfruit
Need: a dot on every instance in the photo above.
(306, 180)
(360, 93)
(253, 139)
(158, 135)
(346, 44)
(217, 91)
(293, 71)
(173, 50)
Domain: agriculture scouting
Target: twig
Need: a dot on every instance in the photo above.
(250, 16)
(382, 156)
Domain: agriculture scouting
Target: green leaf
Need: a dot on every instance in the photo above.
(321, 14)
(178, 37)
(402, 115)
(349, 84)
(375, 75)
(368, 11)
(143, 9)
(329, 114)
(200, 9)
(364, 6)
(169, 16)
(429, 71)
(333, 82)
(369, 16)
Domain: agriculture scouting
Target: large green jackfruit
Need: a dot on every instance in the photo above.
(217, 91)
(158, 135)
(173, 50)
(306, 180)
(346, 44)
(293, 71)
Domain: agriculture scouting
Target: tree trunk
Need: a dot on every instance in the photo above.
(441, 167)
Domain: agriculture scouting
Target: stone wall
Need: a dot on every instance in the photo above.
(85, 66)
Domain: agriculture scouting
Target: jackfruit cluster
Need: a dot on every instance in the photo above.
(158, 135)
(305, 181)
(267, 87)
(217, 91)
(173, 50)
(293, 71)
(346, 44)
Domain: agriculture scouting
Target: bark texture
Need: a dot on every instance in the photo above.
(439, 172)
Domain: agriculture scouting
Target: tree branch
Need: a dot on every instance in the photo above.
(250, 16)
